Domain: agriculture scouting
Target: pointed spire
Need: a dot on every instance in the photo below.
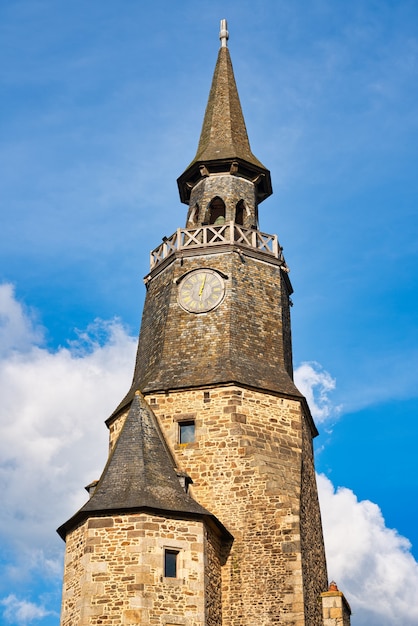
(224, 137)
(139, 475)
(224, 134)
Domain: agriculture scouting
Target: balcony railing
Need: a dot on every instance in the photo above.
(212, 236)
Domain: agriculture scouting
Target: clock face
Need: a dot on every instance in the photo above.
(201, 291)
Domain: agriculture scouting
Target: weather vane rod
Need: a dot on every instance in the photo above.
(224, 35)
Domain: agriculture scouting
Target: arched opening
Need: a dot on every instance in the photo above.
(217, 211)
(239, 213)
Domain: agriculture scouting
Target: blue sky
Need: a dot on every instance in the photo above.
(102, 105)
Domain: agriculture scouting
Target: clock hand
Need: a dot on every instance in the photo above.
(202, 287)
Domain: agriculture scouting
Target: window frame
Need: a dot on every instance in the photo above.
(171, 564)
(183, 424)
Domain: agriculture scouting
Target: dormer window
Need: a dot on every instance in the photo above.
(184, 480)
(217, 211)
(91, 487)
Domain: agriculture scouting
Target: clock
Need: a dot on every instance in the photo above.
(201, 291)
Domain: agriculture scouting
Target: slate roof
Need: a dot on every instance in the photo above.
(224, 135)
(140, 475)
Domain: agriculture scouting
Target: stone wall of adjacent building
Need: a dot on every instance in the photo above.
(336, 610)
(114, 573)
(246, 466)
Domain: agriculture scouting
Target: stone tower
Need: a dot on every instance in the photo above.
(207, 513)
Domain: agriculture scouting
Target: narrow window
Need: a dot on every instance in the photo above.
(239, 213)
(170, 563)
(186, 431)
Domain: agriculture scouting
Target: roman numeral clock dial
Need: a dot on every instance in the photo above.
(201, 291)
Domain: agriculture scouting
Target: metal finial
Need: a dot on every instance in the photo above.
(224, 35)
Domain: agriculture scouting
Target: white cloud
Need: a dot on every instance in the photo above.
(18, 329)
(22, 612)
(54, 442)
(53, 438)
(371, 563)
(316, 384)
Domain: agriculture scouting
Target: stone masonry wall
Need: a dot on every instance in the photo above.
(74, 578)
(213, 580)
(114, 573)
(312, 543)
(246, 465)
(114, 429)
(245, 339)
(336, 611)
(231, 189)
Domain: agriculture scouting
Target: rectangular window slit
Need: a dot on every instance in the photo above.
(170, 563)
(186, 431)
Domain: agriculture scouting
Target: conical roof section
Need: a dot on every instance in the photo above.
(224, 134)
(224, 137)
(140, 474)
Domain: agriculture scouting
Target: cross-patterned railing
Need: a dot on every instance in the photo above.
(211, 235)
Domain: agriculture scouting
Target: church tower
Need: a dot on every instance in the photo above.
(206, 513)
